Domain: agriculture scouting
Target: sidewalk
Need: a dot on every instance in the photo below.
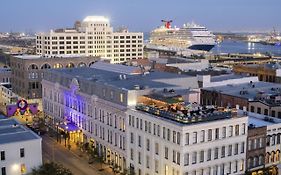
(83, 156)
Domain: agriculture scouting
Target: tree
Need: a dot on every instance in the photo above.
(51, 168)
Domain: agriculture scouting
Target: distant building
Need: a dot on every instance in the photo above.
(269, 72)
(5, 75)
(263, 144)
(92, 37)
(20, 148)
(259, 97)
(27, 72)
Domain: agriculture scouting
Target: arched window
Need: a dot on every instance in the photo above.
(91, 64)
(272, 156)
(58, 66)
(261, 161)
(267, 157)
(70, 65)
(277, 156)
(82, 64)
(32, 67)
(46, 66)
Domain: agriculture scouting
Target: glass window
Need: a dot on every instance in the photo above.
(209, 134)
(22, 152)
(186, 159)
(2, 155)
(194, 157)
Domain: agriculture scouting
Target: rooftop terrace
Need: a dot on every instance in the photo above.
(175, 109)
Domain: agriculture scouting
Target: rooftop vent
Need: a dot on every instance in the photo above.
(137, 87)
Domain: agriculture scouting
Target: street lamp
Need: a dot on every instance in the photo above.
(57, 128)
(65, 135)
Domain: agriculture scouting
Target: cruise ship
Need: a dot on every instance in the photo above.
(187, 38)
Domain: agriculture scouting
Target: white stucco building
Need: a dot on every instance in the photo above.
(92, 37)
(20, 148)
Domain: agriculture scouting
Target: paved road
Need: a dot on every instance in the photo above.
(53, 151)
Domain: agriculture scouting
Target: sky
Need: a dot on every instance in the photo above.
(141, 15)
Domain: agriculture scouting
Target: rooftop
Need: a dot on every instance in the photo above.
(226, 77)
(12, 131)
(28, 57)
(123, 78)
(171, 106)
(251, 91)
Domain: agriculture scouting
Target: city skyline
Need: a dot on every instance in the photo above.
(140, 15)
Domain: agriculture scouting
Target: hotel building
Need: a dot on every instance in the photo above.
(96, 101)
(92, 37)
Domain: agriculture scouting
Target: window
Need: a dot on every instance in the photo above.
(265, 111)
(178, 136)
(174, 136)
(174, 156)
(156, 166)
(194, 157)
(132, 137)
(3, 170)
(2, 155)
(166, 153)
(236, 130)
(178, 158)
(223, 132)
(252, 109)
(209, 134)
(216, 153)
(201, 156)
(186, 138)
(229, 150)
(209, 156)
(217, 132)
(132, 154)
(202, 136)
(273, 113)
(230, 131)
(243, 129)
(156, 148)
(186, 159)
(22, 152)
(147, 161)
(223, 151)
(236, 149)
(147, 144)
(139, 141)
(242, 147)
(139, 157)
(194, 137)
(259, 110)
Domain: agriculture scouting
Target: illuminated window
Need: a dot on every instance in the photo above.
(23, 169)
(121, 97)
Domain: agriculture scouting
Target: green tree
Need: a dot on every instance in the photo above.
(51, 168)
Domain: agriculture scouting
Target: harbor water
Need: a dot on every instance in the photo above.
(233, 46)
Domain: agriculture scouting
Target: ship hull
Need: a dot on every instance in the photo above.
(203, 47)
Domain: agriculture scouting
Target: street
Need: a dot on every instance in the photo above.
(53, 151)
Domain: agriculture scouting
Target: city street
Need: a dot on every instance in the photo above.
(53, 151)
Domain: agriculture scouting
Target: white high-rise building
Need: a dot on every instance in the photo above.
(92, 37)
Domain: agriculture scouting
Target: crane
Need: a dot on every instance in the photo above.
(167, 23)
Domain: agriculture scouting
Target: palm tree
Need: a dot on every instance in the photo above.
(51, 168)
